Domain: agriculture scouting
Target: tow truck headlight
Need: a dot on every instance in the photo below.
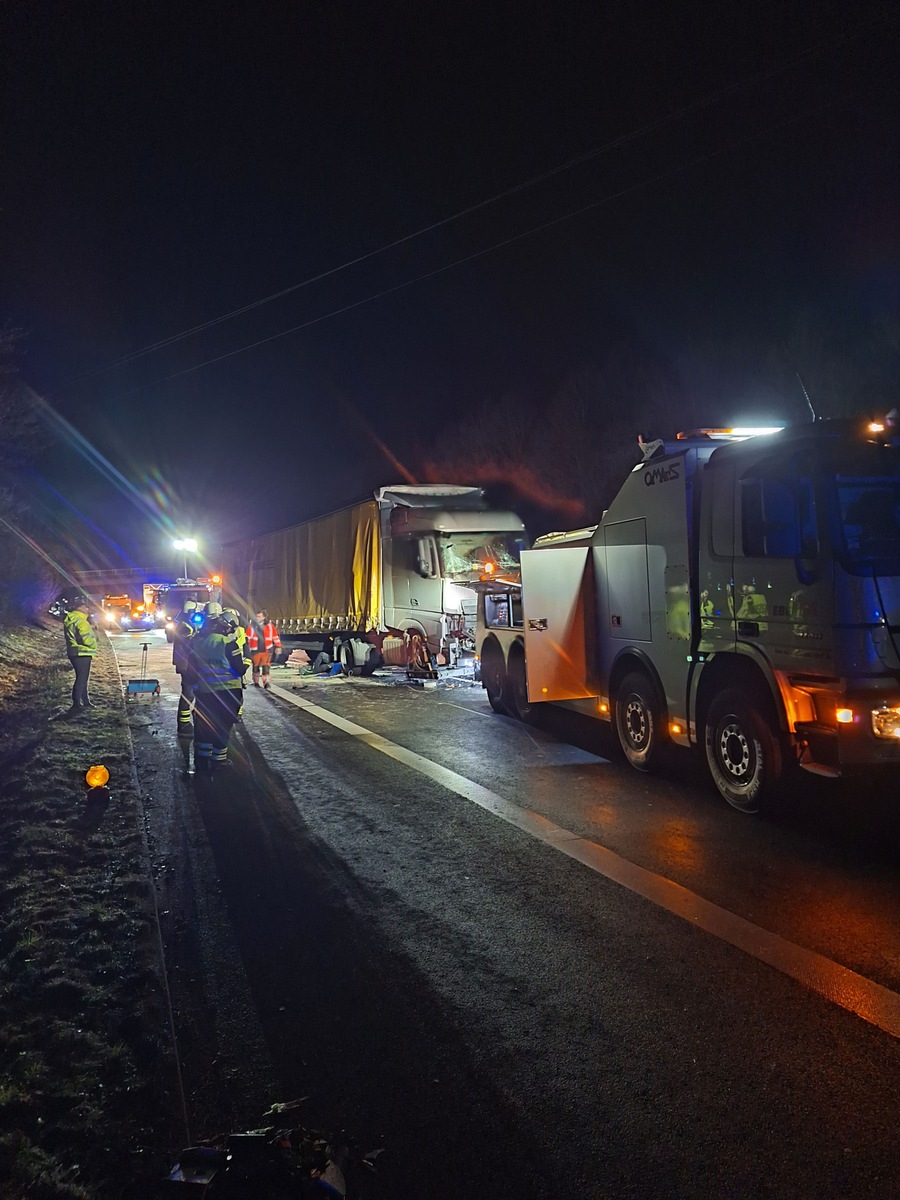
(886, 722)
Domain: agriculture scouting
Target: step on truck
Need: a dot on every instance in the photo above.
(387, 579)
(741, 594)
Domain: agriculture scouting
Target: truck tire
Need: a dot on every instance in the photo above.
(639, 721)
(493, 676)
(743, 753)
(347, 658)
(517, 686)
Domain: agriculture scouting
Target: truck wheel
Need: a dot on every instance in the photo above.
(346, 658)
(638, 721)
(743, 753)
(493, 676)
(517, 686)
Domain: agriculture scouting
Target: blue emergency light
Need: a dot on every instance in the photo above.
(197, 618)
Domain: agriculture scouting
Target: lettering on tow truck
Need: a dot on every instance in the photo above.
(662, 474)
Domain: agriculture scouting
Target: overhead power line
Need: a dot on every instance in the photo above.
(336, 312)
(616, 143)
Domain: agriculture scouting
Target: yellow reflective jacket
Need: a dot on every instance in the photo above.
(81, 641)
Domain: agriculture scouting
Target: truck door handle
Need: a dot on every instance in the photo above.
(748, 628)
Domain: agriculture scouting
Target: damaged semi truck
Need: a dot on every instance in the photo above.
(741, 594)
(387, 579)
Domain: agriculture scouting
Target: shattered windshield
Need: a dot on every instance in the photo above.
(464, 555)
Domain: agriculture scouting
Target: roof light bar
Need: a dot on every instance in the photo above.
(735, 434)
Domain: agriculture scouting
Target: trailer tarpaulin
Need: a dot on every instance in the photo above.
(326, 570)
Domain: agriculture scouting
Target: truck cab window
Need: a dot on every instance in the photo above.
(497, 611)
(778, 514)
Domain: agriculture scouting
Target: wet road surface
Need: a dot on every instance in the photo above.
(511, 1022)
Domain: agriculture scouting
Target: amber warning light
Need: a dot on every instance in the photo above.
(97, 776)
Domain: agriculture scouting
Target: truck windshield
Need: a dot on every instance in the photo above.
(870, 517)
(175, 598)
(464, 555)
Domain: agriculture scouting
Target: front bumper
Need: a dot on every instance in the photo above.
(859, 729)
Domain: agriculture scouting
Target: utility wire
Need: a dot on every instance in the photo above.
(577, 212)
(606, 148)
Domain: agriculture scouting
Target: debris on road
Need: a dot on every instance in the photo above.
(278, 1160)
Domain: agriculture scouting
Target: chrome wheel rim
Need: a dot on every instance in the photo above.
(636, 726)
(735, 752)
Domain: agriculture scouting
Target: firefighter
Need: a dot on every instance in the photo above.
(240, 636)
(81, 646)
(262, 642)
(217, 670)
(185, 628)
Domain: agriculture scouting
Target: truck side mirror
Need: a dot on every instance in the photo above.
(425, 559)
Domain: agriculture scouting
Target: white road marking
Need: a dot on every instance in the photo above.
(874, 1003)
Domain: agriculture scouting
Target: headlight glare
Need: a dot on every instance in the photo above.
(886, 722)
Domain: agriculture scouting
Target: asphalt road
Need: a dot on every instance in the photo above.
(398, 906)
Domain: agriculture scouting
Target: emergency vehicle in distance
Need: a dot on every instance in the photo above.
(741, 593)
(170, 598)
(121, 612)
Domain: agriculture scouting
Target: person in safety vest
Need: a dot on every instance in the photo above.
(217, 671)
(81, 646)
(185, 628)
(262, 642)
(230, 615)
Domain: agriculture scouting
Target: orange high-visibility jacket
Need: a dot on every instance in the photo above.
(270, 637)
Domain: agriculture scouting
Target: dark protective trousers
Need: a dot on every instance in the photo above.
(81, 664)
(214, 716)
(184, 707)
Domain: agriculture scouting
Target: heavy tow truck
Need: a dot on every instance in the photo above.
(740, 595)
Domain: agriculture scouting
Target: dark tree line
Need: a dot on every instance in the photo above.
(28, 581)
(560, 458)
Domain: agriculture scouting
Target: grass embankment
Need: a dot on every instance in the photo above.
(85, 1055)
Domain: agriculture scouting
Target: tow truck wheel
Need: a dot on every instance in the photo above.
(638, 721)
(743, 754)
(493, 676)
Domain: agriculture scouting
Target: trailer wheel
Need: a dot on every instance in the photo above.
(346, 658)
(517, 685)
(638, 721)
(743, 754)
(493, 676)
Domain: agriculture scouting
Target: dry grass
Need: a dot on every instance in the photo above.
(85, 1057)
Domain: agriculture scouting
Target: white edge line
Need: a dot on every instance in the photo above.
(871, 1001)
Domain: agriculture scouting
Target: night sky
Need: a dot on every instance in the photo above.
(164, 165)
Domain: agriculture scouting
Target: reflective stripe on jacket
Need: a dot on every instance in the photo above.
(216, 663)
(81, 641)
